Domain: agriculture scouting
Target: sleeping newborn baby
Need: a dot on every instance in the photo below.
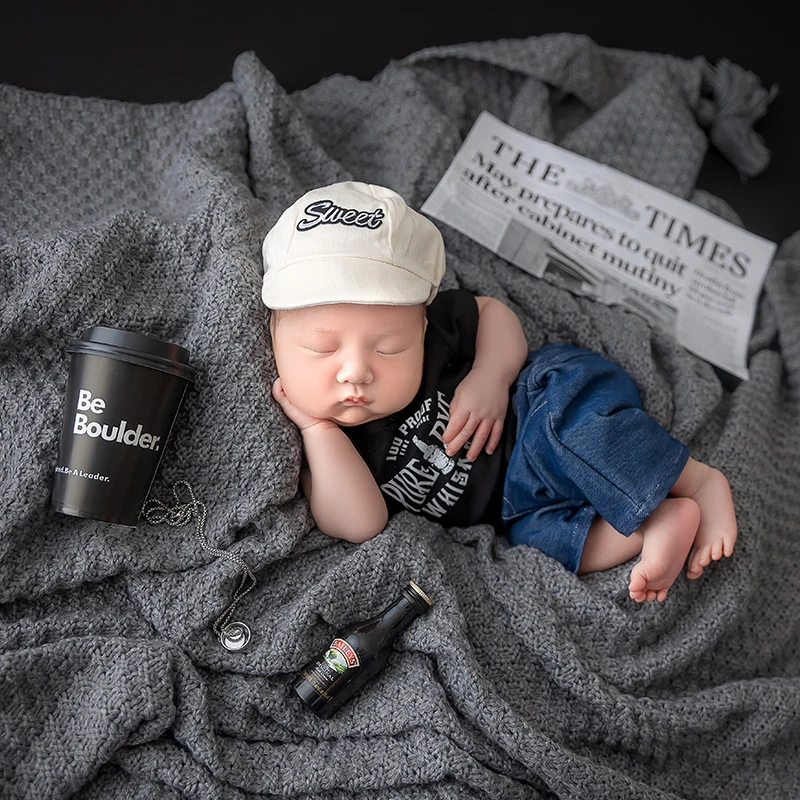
(411, 398)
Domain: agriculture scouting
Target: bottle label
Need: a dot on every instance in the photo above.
(341, 657)
(335, 670)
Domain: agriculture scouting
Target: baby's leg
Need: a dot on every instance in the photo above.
(663, 539)
(716, 534)
(606, 547)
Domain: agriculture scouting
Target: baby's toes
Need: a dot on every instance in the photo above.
(716, 549)
(637, 587)
(697, 560)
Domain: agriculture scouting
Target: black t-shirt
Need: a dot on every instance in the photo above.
(404, 451)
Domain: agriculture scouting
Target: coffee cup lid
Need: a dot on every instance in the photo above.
(135, 348)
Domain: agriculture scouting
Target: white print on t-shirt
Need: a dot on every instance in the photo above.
(414, 484)
(435, 455)
(400, 443)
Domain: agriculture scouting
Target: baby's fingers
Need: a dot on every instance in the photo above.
(494, 439)
(283, 401)
(479, 439)
(458, 419)
(461, 436)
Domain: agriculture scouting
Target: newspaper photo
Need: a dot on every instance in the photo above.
(605, 235)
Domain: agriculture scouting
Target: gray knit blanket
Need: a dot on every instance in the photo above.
(524, 680)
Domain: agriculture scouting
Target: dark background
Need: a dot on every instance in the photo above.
(177, 52)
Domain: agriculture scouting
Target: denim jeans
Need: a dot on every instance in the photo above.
(584, 446)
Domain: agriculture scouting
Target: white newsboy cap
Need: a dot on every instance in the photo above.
(351, 242)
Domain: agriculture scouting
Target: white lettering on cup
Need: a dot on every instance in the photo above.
(85, 402)
(132, 437)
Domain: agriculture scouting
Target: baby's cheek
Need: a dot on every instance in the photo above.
(409, 380)
(308, 390)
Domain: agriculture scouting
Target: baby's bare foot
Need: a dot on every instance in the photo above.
(668, 535)
(716, 535)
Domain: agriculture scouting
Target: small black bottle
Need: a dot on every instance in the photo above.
(357, 654)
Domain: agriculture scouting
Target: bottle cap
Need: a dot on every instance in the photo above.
(419, 593)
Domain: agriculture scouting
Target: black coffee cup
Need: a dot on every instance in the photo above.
(123, 395)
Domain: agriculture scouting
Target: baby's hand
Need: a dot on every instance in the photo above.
(478, 410)
(300, 418)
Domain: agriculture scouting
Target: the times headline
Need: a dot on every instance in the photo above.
(602, 234)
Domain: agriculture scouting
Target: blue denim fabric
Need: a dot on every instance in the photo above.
(584, 446)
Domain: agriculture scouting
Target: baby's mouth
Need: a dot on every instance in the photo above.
(355, 401)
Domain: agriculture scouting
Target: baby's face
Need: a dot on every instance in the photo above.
(350, 363)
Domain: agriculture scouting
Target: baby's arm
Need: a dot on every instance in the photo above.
(500, 347)
(345, 501)
(478, 409)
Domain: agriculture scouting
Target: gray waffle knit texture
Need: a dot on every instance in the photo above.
(524, 681)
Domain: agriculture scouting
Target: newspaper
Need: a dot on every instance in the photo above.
(602, 234)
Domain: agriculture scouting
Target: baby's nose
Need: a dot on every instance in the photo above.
(356, 371)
